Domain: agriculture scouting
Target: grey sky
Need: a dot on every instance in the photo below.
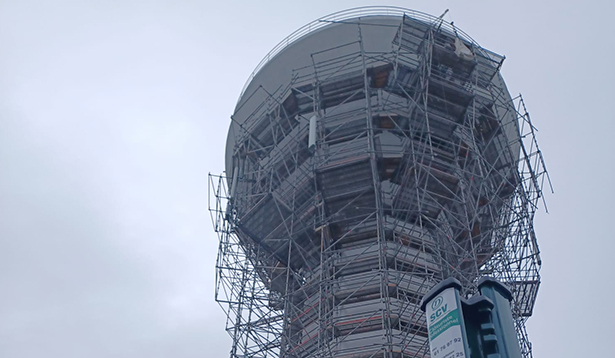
(113, 112)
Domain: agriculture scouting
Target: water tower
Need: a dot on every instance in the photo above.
(371, 154)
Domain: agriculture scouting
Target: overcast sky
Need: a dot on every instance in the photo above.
(112, 113)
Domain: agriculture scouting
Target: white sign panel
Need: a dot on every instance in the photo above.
(444, 325)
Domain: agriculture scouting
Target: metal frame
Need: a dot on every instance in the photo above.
(423, 169)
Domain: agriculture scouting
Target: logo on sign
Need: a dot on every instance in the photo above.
(436, 302)
(437, 308)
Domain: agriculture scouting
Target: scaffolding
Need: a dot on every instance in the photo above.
(367, 179)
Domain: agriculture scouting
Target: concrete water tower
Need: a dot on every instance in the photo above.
(371, 154)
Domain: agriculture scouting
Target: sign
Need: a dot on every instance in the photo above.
(444, 326)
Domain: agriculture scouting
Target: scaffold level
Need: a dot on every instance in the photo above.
(372, 155)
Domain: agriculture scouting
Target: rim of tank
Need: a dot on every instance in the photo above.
(350, 14)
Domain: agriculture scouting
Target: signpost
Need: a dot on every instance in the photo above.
(445, 320)
(486, 331)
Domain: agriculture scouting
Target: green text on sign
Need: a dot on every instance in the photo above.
(451, 319)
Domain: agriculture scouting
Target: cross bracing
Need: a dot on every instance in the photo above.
(423, 168)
